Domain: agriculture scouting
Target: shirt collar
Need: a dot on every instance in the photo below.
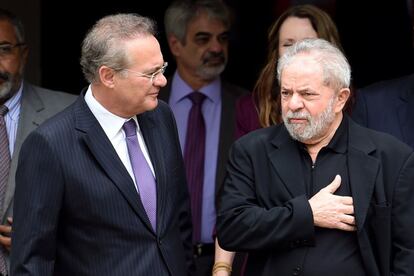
(110, 122)
(13, 104)
(339, 142)
(180, 89)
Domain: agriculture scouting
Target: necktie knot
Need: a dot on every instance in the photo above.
(197, 98)
(3, 110)
(130, 128)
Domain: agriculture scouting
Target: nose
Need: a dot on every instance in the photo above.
(160, 80)
(295, 102)
(216, 46)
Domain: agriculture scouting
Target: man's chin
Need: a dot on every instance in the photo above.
(5, 91)
(211, 72)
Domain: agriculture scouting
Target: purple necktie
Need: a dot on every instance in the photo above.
(144, 178)
(4, 174)
(194, 151)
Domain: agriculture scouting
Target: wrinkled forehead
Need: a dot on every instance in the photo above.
(7, 32)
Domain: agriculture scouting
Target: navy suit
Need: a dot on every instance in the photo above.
(388, 106)
(77, 212)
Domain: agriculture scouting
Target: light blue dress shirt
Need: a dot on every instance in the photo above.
(12, 117)
(211, 110)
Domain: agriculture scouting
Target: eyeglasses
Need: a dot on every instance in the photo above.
(151, 76)
(7, 49)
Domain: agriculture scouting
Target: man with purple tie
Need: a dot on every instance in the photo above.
(204, 107)
(101, 189)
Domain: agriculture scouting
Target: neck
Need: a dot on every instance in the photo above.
(314, 146)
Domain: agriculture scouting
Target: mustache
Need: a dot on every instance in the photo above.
(298, 115)
(4, 76)
(213, 55)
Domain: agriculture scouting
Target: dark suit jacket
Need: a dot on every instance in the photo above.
(264, 209)
(388, 106)
(229, 95)
(76, 209)
(37, 105)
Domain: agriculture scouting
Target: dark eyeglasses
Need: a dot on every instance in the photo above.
(7, 48)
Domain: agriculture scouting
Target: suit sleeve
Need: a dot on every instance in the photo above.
(403, 222)
(38, 199)
(244, 224)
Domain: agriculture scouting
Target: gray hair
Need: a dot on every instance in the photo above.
(16, 22)
(181, 12)
(103, 44)
(335, 67)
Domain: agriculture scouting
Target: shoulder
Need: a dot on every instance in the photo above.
(50, 97)
(162, 114)
(233, 89)
(260, 138)
(383, 143)
(389, 87)
(162, 108)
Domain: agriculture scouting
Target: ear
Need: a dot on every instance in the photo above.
(106, 76)
(342, 98)
(25, 54)
(175, 45)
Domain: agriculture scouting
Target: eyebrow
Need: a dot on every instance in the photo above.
(155, 68)
(211, 34)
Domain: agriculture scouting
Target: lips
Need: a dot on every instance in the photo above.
(298, 120)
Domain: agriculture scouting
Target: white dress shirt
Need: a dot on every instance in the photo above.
(112, 126)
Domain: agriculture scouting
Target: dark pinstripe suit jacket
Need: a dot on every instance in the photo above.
(76, 211)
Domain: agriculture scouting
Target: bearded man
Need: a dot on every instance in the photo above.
(204, 108)
(319, 194)
(23, 107)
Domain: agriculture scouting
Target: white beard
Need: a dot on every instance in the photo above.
(316, 126)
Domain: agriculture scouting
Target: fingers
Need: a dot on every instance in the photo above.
(5, 241)
(347, 219)
(334, 185)
(10, 220)
(347, 200)
(5, 229)
(347, 227)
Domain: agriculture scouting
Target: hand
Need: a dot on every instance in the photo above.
(332, 211)
(5, 234)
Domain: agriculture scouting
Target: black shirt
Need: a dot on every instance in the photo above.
(335, 252)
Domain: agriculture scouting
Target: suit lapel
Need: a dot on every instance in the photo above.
(286, 161)
(149, 132)
(363, 171)
(406, 114)
(226, 134)
(29, 119)
(101, 148)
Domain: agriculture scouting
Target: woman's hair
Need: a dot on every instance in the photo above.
(266, 91)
